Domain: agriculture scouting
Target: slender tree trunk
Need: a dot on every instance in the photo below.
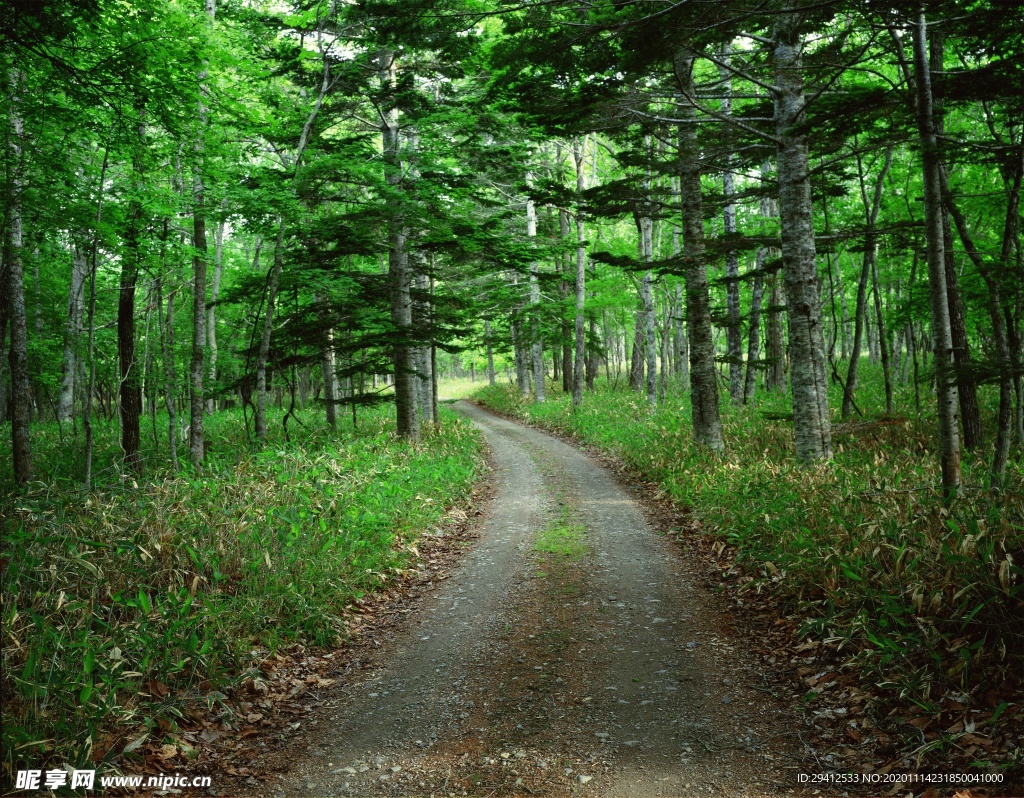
(537, 344)
(579, 147)
(490, 352)
(399, 273)
(197, 447)
(72, 333)
(567, 327)
(967, 391)
(867, 268)
(997, 315)
(167, 356)
(423, 321)
(21, 399)
(327, 373)
(129, 387)
(90, 346)
(263, 353)
(809, 382)
(707, 425)
(211, 310)
(883, 342)
(945, 386)
(768, 209)
(733, 331)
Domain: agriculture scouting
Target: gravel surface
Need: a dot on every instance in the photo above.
(605, 672)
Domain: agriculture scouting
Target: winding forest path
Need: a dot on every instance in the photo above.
(598, 667)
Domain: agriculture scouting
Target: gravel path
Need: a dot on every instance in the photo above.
(601, 671)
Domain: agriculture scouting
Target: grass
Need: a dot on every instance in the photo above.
(562, 537)
(925, 601)
(126, 605)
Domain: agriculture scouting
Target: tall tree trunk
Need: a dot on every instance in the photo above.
(263, 353)
(579, 147)
(129, 387)
(399, 273)
(967, 391)
(707, 425)
(196, 445)
(72, 332)
(733, 331)
(811, 424)
(867, 268)
(883, 341)
(21, 399)
(945, 386)
(211, 310)
(768, 208)
(167, 356)
(997, 314)
(536, 342)
(423, 321)
(90, 345)
(567, 327)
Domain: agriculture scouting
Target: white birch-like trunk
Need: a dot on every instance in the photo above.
(808, 379)
(21, 398)
(211, 310)
(733, 331)
(945, 384)
(72, 333)
(536, 342)
(579, 147)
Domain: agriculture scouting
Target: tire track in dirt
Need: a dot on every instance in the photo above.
(606, 673)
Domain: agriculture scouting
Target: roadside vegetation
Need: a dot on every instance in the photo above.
(129, 606)
(923, 600)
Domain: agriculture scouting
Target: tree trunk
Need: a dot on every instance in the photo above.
(733, 331)
(967, 391)
(809, 382)
(567, 327)
(867, 269)
(707, 425)
(399, 273)
(21, 400)
(423, 322)
(883, 341)
(490, 352)
(768, 209)
(263, 353)
(997, 315)
(197, 447)
(129, 387)
(72, 333)
(537, 344)
(945, 386)
(211, 310)
(327, 373)
(579, 147)
(167, 355)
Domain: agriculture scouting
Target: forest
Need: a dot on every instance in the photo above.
(765, 255)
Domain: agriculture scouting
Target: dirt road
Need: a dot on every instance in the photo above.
(571, 653)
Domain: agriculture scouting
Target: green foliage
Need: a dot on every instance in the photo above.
(922, 598)
(129, 604)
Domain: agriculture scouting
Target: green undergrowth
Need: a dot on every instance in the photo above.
(124, 605)
(926, 601)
